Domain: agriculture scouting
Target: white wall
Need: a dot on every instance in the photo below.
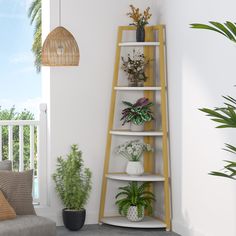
(201, 68)
(78, 98)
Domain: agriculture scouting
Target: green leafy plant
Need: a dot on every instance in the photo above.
(133, 150)
(226, 115)
(137, 113)
(134, 195)
(73, 181)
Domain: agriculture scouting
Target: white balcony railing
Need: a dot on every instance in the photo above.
(26, 148)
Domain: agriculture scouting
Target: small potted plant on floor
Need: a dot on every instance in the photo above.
(73, 184)
(139, 20)
(133, 200)
(133, 151)
(137, 114)
(134, 66)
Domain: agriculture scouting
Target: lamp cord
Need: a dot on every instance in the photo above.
(59, 12)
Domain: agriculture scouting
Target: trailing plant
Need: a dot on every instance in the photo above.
(139, 19)
(134, 195)
(137, 113)
(133, 150)
(73, 181)
(226, 115)
(135, 66)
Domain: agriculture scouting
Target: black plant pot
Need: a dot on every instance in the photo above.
(73, 220)
(140, 34)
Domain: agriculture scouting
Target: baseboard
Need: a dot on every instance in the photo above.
(183, 230)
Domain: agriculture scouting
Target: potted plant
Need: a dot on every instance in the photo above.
(73, 184)
(133, 200)
(137, 114)
(139, 20)
(134, 66)
(133, 151)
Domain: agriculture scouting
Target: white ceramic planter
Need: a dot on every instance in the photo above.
(132, 214)
(134, 168)
(137, 128)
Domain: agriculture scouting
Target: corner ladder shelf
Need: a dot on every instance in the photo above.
(149, 135)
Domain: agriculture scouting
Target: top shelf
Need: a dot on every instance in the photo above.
(139, 44)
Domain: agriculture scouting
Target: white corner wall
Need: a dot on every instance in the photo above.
(78, 98)
(201, 68)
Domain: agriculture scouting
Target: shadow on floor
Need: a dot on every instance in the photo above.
(106, 230)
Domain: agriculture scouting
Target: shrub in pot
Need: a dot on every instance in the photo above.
(137, 114)
(133, 151)
(73, 184)
(133, 200)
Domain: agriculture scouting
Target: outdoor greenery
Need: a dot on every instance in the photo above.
(73, 181)
(225, 116)
(11, 114)
(134, 66)
(133, 150)
(139, 19)
(134, 195)
(137, 113)
(35, 15)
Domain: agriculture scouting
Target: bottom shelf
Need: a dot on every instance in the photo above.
(147, 222)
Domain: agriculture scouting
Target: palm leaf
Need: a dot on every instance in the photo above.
(222, 28)
(206, 27)
(227, 29)
(35, 15)
(230, 148)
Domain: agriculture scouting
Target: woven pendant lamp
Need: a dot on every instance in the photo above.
(60, 47)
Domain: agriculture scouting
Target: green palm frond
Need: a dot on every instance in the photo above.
(229, 171)
(226, 116)
(35, 15)
(230, 148)
(227, 29)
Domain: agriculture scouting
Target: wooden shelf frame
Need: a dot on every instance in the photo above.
(149, 93)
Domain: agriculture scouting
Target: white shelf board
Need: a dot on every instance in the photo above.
(138, 44)
(142, 178)
(137, 88)
(132, 133)
(147, 222)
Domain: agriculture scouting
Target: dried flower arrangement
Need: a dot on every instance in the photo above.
(139, 19)
(134, 66)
